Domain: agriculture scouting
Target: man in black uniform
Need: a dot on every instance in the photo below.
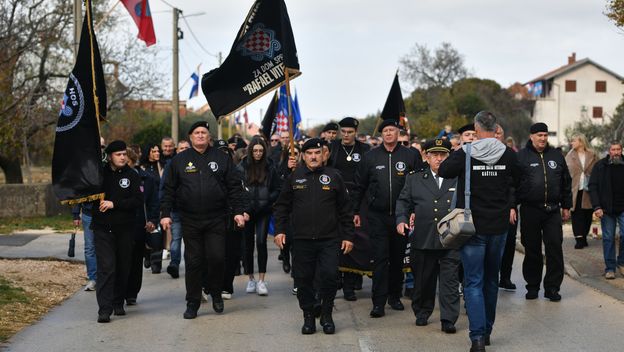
(113, 226)
(346, 154)
(427, 197)
(381, 175)
(203, 184)
(545, 193)
(315, 201)
(329, 132)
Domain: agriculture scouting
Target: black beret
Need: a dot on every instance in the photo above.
(468, 127)
(232, 140)
(115, 146)
(386, 123)
(332, 126)
(349, 122)
(220, 143)
(199, 124)
(312, 143)
(539, 127)
(437, 145)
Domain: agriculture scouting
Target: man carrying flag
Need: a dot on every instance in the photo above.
(142, 16)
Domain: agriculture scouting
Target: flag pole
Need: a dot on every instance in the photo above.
(290, 118)
(376, 126)
(97, 26)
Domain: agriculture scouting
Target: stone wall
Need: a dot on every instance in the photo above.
(28, 200)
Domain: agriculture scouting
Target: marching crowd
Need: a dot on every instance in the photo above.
(322, 198)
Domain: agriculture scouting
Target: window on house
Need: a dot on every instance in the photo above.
(597, 112)
(601, 86)
(570, 86)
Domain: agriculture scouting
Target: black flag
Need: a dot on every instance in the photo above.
(77, 162)
(395, 106)
(263, 49)
(269, 118)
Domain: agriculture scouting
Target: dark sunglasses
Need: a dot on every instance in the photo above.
(406, 143)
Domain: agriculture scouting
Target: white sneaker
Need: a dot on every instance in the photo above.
(294, 291)
(262, 288)
(165, 254)
(226, 295)
(251, 286)
(90, 286)
(204, 297)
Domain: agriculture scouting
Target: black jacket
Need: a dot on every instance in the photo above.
(317, 205)
(490, 188)
(545, 179)
(202, 186)
(123, 188)
(382, 174)
(261, 196)
(346, 159)
(149, 188)
(600, 186)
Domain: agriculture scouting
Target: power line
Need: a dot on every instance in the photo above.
(195, 37)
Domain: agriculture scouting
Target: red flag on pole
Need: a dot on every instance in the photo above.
(142, 16)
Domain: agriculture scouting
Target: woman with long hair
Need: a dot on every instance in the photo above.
(262, 181)
(150, 161)
(580, 159)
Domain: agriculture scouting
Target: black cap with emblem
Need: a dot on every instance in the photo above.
(386, 123)
(312, 143)
(197, 125)
(349, 122)
(220, 143)
(332, 126)
(115, 146)
(437, 145)
(468, 127)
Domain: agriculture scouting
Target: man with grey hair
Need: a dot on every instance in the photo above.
(493, 172)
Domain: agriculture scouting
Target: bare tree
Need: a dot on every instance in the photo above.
(35, 60)
(425, 69)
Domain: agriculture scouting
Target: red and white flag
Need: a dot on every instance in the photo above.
(142, 16)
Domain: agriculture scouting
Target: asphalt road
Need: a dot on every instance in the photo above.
(585, 320)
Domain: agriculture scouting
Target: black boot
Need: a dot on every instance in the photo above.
(191, 310)
(309, 323)
(326, 318)
(217, 303)
(478, 345)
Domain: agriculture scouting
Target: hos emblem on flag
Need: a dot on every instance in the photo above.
(213, 166)
(324, 179)
(124, 183)
(258, 43)
(72, 107)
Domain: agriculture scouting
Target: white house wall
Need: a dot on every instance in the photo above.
(571, 105)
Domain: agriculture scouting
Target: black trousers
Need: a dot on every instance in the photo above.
(581, 218)
(309, 258)
(135, 277)
(539, 226)
(204, 242)
(427, 266)
(509, 252)
(232, 259)
(113, 251)
(388, 253)
(256, 229)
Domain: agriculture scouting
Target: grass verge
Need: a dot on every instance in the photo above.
(56, 223)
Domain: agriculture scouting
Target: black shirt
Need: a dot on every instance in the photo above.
(617, 175)
(346, 159)
(123, 188)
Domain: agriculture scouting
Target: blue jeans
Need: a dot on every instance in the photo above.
(481, 257)
(89, 247)
(176, 239)
(608, 240)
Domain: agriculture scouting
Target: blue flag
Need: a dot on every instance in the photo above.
(296, 117)
(195, 87)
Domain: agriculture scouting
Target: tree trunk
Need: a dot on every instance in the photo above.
(12, 170)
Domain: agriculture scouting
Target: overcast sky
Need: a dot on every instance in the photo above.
(349, 50)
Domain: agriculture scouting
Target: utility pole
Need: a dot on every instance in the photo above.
(219, 129)
(175, 98)
(77, 25)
